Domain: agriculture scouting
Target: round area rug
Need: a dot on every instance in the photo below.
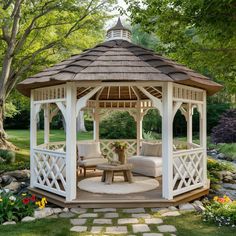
(141, 184)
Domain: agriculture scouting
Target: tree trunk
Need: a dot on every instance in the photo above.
(80, 126)
(4, 144)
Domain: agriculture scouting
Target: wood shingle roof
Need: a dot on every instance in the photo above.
(118, 60)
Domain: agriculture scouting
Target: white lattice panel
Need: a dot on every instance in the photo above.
(50, 170)
(107, 149)
(187, 170)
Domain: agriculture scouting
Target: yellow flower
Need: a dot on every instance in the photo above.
(1, 200)
(23, 194)
(215, 198)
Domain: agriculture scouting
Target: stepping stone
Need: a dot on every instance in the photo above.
(152, 234)
(186, 207)
(153, 221)
(159, 209)
(66, 215)
(105, 210)
(117, 230)
(102, 221)
(96, 229)
(78, 221)
(78, 210)
(127, 221)
(134, 210)
(144, 216)
(56, 210)
(172, 208)
(79, 229)
(88, 215)
(140, 228)
(9, 223)
(171, 213)
(166, 228)
(111, 215)
(28, 219)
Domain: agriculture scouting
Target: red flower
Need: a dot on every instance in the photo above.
(33, 198)
(26, 201)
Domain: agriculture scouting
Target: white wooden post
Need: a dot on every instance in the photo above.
(189, 119)
(167, 140)
(46, 123)
(96, 125)
(33, 138)
(71, 158)
(203, 136)
(139, 127)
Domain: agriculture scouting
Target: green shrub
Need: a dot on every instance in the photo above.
(21, 165)
(8, 156)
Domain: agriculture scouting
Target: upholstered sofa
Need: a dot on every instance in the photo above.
(149, 162)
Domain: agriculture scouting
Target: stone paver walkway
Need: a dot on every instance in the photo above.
(112, 221)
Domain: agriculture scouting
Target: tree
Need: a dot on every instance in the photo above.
(34, 32)
(200, 34)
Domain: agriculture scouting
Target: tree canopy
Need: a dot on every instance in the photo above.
(200, 34)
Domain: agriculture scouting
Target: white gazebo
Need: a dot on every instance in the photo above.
(117, 75)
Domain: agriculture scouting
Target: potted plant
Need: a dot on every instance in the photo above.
(119, 148)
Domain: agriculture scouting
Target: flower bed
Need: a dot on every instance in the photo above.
(222, 211)
(14, 208)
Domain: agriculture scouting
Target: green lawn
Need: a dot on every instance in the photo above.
(187, 224)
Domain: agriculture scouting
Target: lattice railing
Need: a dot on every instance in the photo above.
(187, 170)
(54, 146)
(50, 170)
(107, 149)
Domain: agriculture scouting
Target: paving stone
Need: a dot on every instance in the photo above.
(88, 215)
(159, 209)
(52, 217)
(134, 210)
(102, 221)
(78, 221)
(124, 221)
(28, 219)
(56, 210)
(96, 229)
(111, 215)
(166, 228)
(140, 215)
(42, 213)
(66, 215)
(78, 210)
(9, 223)
(152, 234)
(117, 230)
(65, 209)
(138, 228)
(186, 207)
(79, 228)
(105, 210)
(172, 208)
(153, 221)
(170, 213)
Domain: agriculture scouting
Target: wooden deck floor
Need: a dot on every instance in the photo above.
(151, 198)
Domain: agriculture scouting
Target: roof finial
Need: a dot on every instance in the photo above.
(119, 32)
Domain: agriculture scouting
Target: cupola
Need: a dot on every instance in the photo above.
(118, 32)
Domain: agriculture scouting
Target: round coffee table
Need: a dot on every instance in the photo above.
(109, 170)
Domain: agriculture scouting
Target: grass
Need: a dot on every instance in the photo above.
(21, 138)
(186, 224)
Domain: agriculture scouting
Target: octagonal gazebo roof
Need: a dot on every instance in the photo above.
(118, 60)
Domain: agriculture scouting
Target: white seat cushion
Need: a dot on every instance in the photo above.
(146, 165)
(89, 150)
(92, 162)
